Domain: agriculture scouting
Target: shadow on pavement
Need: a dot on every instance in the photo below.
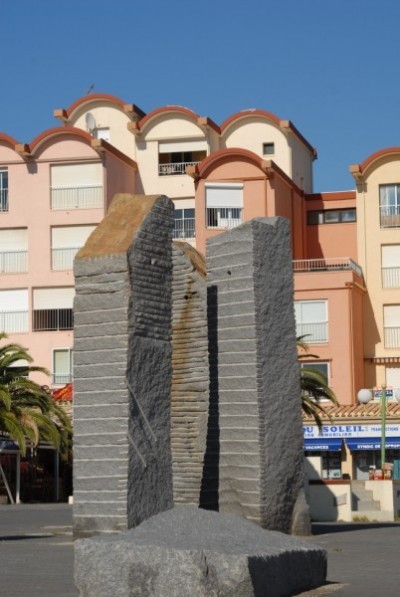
(321, 528)
(23, 537)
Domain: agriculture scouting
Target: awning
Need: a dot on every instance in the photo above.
(372, 443)
(330, 444)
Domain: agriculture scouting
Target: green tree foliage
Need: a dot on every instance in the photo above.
(314, 385)
(27, 411)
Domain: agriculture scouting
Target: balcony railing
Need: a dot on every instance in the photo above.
(330, 264)
(391, 277)
(224, 217)
(392, 337)
(3, 200)
(174, 168)
(390, 216)
(184, 229)
(13, 262)
(48, 320)
(63, 259)
(61, 379)
(14, 322)
(315, 332)
(77, 197)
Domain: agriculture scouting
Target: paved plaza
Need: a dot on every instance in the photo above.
(36, 555)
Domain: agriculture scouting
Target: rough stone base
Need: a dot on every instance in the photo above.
(187, 551)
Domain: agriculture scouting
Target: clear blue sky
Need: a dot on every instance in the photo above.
(332, 68)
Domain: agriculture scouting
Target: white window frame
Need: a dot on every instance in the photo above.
(390, 265)
(323, 324)
(221, 214)
(3, 190)
(391, 332)
(66, 377)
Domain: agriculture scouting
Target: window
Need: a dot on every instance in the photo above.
(53, 309)
(331, 216)
(65, 243)
(102, 133)
(77, 186)
(393, 377)
(224, 205)
(62, 366)
(184, 227)
(389, 205)
(3, 189)
(391, 326)
(312, 320)
(391, 266)
(13, 250)
(318, 366)
(174, 157)
(14, 311)
(268, 148)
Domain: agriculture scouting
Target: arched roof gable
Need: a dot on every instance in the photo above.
(213, 160)
(377, 155)
(247, 114)
(91, 98)
(7, 140)
(57, 132)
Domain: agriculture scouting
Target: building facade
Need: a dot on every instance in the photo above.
(346, 245)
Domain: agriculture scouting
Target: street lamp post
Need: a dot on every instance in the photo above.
(364, 396)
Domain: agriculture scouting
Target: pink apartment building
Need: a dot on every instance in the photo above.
(56, 189)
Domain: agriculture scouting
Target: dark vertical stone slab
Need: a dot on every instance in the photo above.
(258, 394)
(122, 369)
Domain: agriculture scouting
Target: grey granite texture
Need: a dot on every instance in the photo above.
(189, 392)
(255, 445)
(122, 367)
(191, 552)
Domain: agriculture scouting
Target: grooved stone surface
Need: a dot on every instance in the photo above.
(122, 367)
(255, 408)
(189, 399)
(191, 552)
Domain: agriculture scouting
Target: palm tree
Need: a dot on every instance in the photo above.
(27, 411)
(314, 385)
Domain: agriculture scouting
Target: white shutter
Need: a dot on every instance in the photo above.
(310, 311)
(184, 203)
(182, 146)
(76, 175)
(65, 237)
(390, 255)
(53, 298)
(15, 239)
(391, 316)
(14, 300)
(224, 195)
(62, 362)
(393, 377)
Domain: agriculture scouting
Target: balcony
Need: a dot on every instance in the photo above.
(88, 197)
(13, 262)
(330, 264)
(50, 320)
(14, 322)
(184, 229)
(224, 217)
(3, 200)
(391, 277)
(390, 216)
(174, 169)
(61, 379)
(392, 336)
(63, 259)
(316, 333)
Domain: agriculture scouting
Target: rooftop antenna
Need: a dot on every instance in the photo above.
(90, 122)
(90, 89)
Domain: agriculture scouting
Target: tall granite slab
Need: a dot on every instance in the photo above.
(122, 367)
(189, 392)
(255, 382)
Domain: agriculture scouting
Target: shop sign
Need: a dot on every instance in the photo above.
(312, 431)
